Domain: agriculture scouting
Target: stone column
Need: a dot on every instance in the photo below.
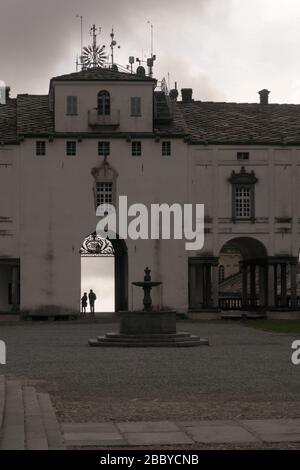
(294, 270)
(262, 289)
(208, 285)
(200, 274)
(193, 286)
(253, 285)
(215, 285)
(15, 288)
(271, 286)
(244, 286)
(276, 284)
(283, 299)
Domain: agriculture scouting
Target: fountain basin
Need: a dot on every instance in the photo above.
(148, 328)
(145, 323)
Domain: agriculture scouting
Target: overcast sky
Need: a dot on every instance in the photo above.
(223, 49)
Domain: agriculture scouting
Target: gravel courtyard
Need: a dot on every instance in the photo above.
(244, 373)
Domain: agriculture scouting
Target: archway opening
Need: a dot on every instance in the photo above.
(245, 282)
(104, 266)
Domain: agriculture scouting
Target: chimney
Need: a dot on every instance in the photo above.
(264, 96)
(173, 94)
(186, 95)
(7, 92)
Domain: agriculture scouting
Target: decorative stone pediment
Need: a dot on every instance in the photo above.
(104, 172)
(94, 245)
(243, 177)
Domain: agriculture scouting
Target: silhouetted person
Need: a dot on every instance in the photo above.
(92, 298)
(84, 301)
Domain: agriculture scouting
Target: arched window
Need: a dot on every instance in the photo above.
(103, 104)
(221, 273)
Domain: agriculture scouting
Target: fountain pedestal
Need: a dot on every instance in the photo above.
(148, 328)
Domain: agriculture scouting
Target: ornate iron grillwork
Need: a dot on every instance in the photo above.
(97, 246)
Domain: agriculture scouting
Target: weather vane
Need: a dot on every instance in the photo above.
(92, 55)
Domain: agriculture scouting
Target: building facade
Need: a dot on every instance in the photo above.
(101, 133)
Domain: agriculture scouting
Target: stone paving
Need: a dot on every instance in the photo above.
(187, 433)
(243, 374)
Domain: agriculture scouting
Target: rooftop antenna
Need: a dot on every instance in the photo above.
(151, 28)
(113, 44)
(150, 61)
(94, 32)
(79, 59)
(131, 62)
(81, 32)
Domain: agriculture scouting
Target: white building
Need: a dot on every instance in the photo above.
(101, 133)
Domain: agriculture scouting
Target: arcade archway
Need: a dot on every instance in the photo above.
(104, 269)
(245, 284)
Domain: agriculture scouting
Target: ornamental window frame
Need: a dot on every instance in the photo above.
(243, 181)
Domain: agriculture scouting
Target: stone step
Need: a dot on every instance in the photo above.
(255, 316)
(232, 316)
(54, 435)
(153, 337)
(13, 432)
(35, 434)
(192, 341)
(2, 399)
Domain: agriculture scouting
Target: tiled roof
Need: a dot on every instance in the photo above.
(98, 73)
(8, 121)
(34, 115)
(200, 122)
(239, 123)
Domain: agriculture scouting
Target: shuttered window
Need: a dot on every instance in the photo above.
(72, 105)
(136, 106)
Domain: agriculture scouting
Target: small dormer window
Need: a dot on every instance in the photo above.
(40, 147)
(243, 156)
(103, 105)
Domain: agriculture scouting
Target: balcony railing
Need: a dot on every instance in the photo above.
(100, 120)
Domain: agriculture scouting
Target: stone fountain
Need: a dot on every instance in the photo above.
(148, 328)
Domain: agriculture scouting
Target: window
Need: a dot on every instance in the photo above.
(243, 195)
(166, 148)
(104, 193)
(71, 148)
(40, 147)
(243, 155)
(71, 105)
(103, 104)
(136, 106)
(136, 149)
(104, 148)
(242, 202)
(221, 273)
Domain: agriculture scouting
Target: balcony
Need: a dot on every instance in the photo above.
(98, 121)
